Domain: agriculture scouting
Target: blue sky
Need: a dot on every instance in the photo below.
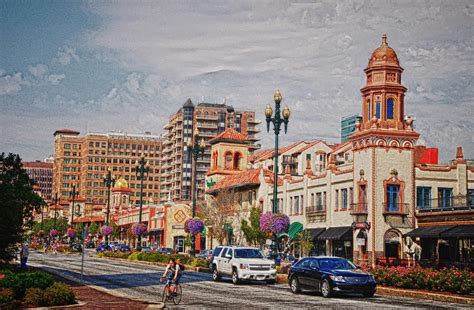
(127, 65)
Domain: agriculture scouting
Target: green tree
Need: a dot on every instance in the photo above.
(252, 232)
(48, 224)
(93, 228)
(17, 202)
(115, 231)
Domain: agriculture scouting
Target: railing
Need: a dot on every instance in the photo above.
(396, 208)
(359, 208)
(316, 210)
(448, 204)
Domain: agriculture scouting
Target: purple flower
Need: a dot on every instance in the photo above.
(71, 233)
(186, 225)
(138, 229)
(106, 230)
(266, 222)
(280, 223)
(194, 226)
(53, 233)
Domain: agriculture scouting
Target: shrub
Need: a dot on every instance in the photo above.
(6, 295)
(34, 297)
(21, 281)
(197, 262)
(59, 294)
(114, 254)
(133, 256)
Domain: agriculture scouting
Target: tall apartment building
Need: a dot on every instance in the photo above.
(348, 126)
(42, 174)
(210, 120)
(83, 160)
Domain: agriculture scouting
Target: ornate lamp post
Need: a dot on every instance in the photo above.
(277, 121)
(74, 195)
(194, 150)
(141, 171)
(109, 181)
(55, 209)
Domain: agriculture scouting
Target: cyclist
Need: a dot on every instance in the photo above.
(173, 272)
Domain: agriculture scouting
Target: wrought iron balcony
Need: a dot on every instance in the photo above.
(359, 208)
(316, 210)
(460, 203)
(396, 209)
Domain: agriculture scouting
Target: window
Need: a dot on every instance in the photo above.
(250, 198)
(377, 109)
(369, 106)
(344, 198)
(336, 200)
(445, 197)
(423, 197)
(392, 198)
(237, 158)
(296, 201)
(390, 107)
(228, 160)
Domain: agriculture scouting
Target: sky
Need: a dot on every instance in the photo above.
(98, 66)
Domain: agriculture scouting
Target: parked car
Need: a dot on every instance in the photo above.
(216, 252)
(145, 249)
(102, 248)
(90, 245)
(166, 250)
(124, 248)
(77, 247)
(115, 246)
(243, 263)
(205, 254)
(330, 275)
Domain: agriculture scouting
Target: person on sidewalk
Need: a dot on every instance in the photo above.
(24, 253)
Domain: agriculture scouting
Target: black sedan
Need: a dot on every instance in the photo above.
(330, 275)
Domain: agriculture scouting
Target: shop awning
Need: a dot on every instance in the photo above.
(294, 229)
(428, 231)
(315, 232)
(460, 232)
(336, 233)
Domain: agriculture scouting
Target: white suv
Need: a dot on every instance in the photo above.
(242, 263)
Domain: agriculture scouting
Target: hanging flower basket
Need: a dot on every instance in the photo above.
(194, 226)
(106, 230)
(266, 222)
(186, 225)
(53, 233)
(138, 229)
(71, 233)
(280, 223)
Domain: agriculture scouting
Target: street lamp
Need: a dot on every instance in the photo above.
(141, 170)
(109, 182)
(194, 150)
(55, 209)
(73, 194)
(277, 121)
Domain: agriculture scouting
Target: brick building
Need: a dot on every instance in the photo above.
(42, 174)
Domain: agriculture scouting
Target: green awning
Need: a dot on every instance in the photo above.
(294, 229)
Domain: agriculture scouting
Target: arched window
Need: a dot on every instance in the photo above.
(228, 160)
(215, 156)
(377, 109)
(369, 110)
(390, 108)
(237, 158)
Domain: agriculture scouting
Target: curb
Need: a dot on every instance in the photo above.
(107, 291)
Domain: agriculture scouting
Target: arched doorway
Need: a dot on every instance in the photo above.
(392, 243)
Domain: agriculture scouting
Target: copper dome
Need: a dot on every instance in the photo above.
(383, 55)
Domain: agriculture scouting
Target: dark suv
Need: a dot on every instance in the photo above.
(330, 275)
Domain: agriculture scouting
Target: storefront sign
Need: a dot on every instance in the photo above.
(360, 241)
(177, 226)
(362, 225)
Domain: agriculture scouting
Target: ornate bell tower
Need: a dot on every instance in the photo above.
(383, 146)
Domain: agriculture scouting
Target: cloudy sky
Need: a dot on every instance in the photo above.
(128, 65)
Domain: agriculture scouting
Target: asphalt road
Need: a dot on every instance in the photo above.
(142, 281)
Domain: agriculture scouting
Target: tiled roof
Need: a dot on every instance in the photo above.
(338, 147)
(85, 219)
(248, 177)
(229, 135)
(269, 177)
(37, 164)
(66, 131)
(269, 153)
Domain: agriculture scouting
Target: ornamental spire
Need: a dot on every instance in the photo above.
(384, 40)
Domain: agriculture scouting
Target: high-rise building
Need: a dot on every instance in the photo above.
(42, 175)
(83, 161)
(348, 126)
(210, 120)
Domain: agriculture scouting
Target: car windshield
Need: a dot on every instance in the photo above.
(248, 253)
(335, 263)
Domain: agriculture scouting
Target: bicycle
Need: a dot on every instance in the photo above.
(175, 297)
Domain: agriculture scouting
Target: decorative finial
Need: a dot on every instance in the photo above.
(384, 40)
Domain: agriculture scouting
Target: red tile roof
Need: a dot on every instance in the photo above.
(86, 219)
(229, 135)
(245, 178)
(338, 147)
(269, 177)
(269, 153)
(66, 131)
(37, 164)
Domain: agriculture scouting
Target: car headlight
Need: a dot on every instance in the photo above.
(337, 278)
(272, 266)
(244, 266)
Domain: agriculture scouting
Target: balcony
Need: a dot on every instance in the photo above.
(253, 129)
(394, 209)
(207, 117)
(316, 213)
(359, 208)
(455, 204)
(253, 121)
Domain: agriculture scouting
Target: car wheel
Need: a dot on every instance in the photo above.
(295, 285)
(215, 275)
(326, 289)
(235, 277)
(368, 294)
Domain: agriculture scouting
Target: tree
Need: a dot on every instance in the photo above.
(115, 231)
(252, 232)
(48, 224)
(17, 202)
(220, 210)
(93, 229)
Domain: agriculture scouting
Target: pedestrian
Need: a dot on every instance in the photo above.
(55, 247)
(24, 253)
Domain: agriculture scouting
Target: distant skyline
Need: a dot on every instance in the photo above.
(127, 65)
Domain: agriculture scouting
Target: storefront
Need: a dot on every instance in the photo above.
(319, 246)
(339, 240)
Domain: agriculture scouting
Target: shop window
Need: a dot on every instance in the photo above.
(423, 197)
(392, 244)
(341, 248)
(390, 108)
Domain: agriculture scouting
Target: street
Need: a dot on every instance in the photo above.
(141, 281)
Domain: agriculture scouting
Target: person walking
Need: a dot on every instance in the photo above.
(24, 253)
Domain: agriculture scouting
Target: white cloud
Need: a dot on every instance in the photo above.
(11, 84)
(66, 55)
(38, 71)
(56, 78)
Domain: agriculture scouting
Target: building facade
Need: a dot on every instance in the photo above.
(209, 120)
(348, 126)
(42, 175)
(83, 160)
